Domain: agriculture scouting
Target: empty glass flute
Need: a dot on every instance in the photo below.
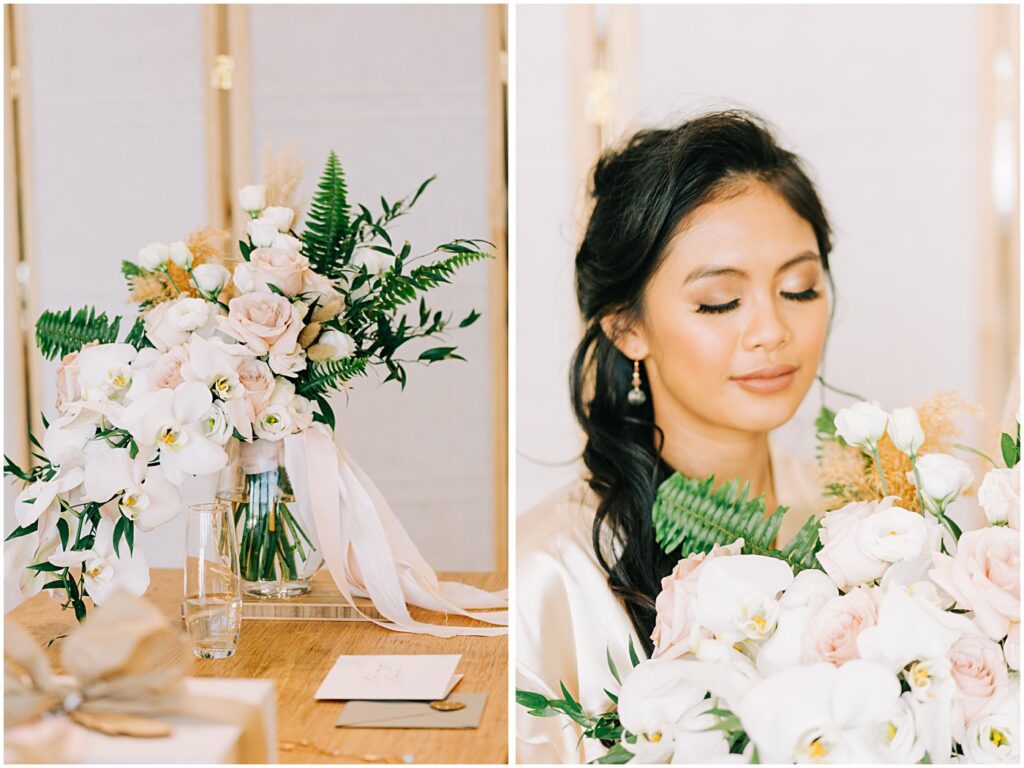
(213, 586)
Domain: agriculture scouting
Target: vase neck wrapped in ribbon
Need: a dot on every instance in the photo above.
(277, 544)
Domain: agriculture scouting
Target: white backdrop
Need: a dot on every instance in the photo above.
(398, 92)
(880, 101)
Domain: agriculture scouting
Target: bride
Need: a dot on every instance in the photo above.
(702, 282)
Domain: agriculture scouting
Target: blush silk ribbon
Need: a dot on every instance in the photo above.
(368, 552)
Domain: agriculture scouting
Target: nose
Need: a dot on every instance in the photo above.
(767, 329)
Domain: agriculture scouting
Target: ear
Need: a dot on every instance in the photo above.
(626, 334)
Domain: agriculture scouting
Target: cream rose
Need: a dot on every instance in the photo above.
(265, 322)
(166, 371)
(257, 381)
(172, 322)
(831, 634)
(999, 496)
(981, 679)
(676, 605)
(984, 577)
(842, 554)
(68, 387)
(283, 269)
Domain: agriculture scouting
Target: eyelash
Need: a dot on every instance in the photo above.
(717, 309)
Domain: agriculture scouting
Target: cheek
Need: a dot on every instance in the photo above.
(694, 352)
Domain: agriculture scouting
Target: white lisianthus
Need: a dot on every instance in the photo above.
(279, 216)
(862, 424)
(154, 256)
(375, 262)
(995, 737)
(943, 478)
(253, 198)
(181, 255)
(737, 597)
(905, 431)
(340, 345)
(216, 424)
(897, 740)
(210, 278)
(301, 411)
(999, 496)
(171, 323)
(893, 535)
(261, 232)
(286, 242)
(290, 364)
(274, 422)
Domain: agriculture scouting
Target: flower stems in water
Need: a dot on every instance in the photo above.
(271, 542)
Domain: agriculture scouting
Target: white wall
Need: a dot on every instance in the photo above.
(880, 101)
(120, 161)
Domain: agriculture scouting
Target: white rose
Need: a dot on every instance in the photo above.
(943, 478)
(279, 216)
(1011, 646)
(261, 232)
(253, 198)
(905, 430)
(181, 255)
(842, 554)
(999, 496)
(290, 364)
(274, 422)
(341, 345)
(862, 424)
(216, 424)
(893, 535)
(170, 324)
(210, 278)
(286, 242)
(154, 256)
(376, 263)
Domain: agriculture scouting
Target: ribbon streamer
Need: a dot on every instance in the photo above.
(369, 553)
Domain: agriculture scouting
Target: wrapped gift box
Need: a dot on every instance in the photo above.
(193, 740)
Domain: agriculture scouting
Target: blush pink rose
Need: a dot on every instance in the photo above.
(977, 666)
(984, 577)
(676, 605)
(831, 634)
(68, 388)
(265, 322)
(285, 269)
(842, 555)
(258, 382)
(166, 370)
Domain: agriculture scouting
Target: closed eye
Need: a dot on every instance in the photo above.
(715, 309)
(809, 295)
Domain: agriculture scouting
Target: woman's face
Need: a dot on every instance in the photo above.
(734, 319)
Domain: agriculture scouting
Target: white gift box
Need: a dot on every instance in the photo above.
(192, 740)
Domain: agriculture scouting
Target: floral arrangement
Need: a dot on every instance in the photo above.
(881, 634)
(225, 350)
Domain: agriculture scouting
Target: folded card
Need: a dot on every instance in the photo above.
(390, 678)
(413, 714)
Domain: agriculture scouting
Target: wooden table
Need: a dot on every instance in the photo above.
(298, 654)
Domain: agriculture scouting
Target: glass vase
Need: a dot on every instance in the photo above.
(278, 551)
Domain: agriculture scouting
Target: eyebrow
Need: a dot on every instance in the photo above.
(713, 271)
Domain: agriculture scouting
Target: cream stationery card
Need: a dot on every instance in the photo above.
(390, 678)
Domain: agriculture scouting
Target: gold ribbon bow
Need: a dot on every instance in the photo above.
(124, 666)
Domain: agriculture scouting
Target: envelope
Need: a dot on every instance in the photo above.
(392, 677)
(412, 714)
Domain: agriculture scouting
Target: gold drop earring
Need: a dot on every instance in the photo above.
(636, 396)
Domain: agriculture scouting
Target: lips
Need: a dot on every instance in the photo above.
(772, 372)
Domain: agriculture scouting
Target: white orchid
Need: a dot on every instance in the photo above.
(39, 498)
(171, 420)
(141, 493)
(810, 590)
(104, 371)
(67, 436)
(737, 597)
(820, 713)
(106, 568)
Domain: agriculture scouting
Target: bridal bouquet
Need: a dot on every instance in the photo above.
(880, 634)
(228, 355)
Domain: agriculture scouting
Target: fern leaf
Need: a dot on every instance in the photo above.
(327, 224)
(332, 374)
(137, 335)
(801, 551)
(61, 333)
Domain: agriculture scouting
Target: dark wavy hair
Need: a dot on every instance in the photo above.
(641, 194)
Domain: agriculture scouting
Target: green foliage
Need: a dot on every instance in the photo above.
(327, 224)
(690, 517)
(1010, 447)
(61, 333)
(137, 335)
(332, 374)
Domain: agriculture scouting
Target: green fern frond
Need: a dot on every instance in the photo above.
(61, 333)
(690, 517)
(332, 374)
(327, 224)
(137, 335)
